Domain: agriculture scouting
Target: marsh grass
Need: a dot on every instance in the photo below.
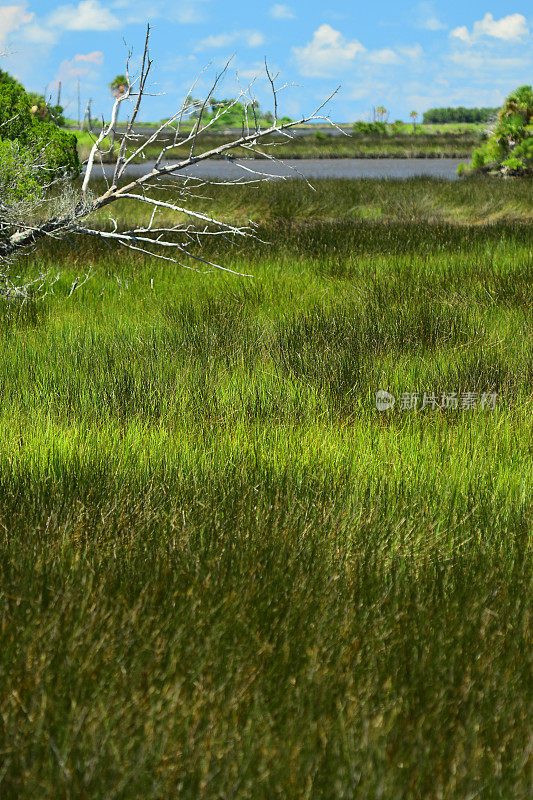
(451, 144)
(421, 201)
(223, 572)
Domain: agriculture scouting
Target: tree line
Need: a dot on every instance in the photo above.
(459, 114)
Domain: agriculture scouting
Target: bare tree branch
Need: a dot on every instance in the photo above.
(17, 233)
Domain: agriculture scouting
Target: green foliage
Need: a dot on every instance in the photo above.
(509, 149)
(18, 173)
(370, 128)
(52, 151)
(458, 114)
(7, 79)
(44, 111)
(15, 112)
(118, 85)
(524, 150)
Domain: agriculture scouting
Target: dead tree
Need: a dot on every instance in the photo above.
(179, 242)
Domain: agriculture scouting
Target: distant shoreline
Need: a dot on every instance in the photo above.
(318, 145)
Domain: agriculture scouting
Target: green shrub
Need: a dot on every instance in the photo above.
(6, 78)
(18, 176)
(509, 149)
(370, 128)
(51, 151)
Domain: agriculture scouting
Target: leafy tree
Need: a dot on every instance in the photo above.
(54, 151)
(509, 149)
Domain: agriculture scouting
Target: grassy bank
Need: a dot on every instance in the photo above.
(400, 145)
(224, 573)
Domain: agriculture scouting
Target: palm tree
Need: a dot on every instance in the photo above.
(414, 116)
(118, 85)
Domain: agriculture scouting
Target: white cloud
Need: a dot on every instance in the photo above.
(385, 56)
(486, 62)
(427, 17)
(434, 24)
(96, 57)
(461, 33)
(511, 28)
(280, 11)
(12, 18)
(327, 53)
(88, 15)
(216, 40)
(38, 34)
(83, 65)
(254, 39)
(411, 51)
(139, 11)
(68, 70)
(186, 12)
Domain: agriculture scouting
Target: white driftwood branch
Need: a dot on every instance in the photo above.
(153, 239)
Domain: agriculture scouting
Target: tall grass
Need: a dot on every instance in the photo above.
(224, 573)
(446, 144)
(422, 204)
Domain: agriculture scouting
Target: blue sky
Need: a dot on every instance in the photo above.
(403, 55)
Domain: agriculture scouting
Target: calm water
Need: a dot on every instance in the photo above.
(312, 168)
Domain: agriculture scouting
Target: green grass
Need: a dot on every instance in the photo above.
(422, 144)
(223, 573)
(358, 206)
